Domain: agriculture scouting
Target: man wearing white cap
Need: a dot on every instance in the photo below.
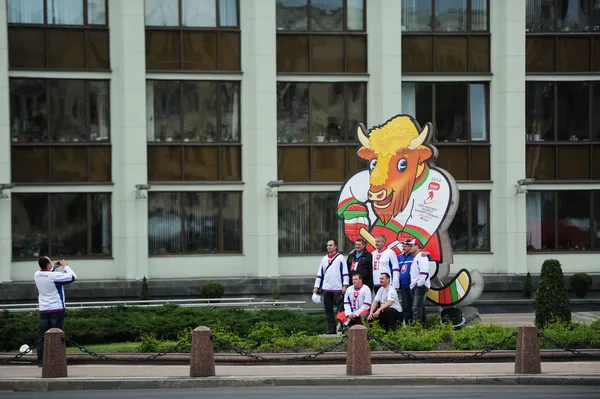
(332, 279)
(420, 282)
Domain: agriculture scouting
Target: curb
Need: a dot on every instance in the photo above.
(83, 384)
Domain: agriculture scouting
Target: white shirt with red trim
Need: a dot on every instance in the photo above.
(419, 272)
(51, 295)
(332, 273)
(385, 261)
(357, 301)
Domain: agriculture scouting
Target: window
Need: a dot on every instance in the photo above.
(470, 229)
(307, 221)
(563, 130)
(194, 223)
(39, 29)
(562, 36)
(73, 225)
(316, 130)
(445, 36)
(563, 220)
(195, 35)
(60, 130)
(460, 116)
(193, 130)
(321, 36)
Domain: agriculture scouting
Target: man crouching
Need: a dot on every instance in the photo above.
(357, 302)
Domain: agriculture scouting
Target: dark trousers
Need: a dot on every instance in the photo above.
(407, 304)
(332, 300)
(389, 319)
(420, 295)
(48, 321)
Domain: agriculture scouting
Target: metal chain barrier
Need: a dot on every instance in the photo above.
(566, 348)
(21, 354)
(441, 360)
(259, 358)
(172, 349)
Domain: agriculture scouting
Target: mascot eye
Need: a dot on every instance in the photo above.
(372, 164)
(402, 164)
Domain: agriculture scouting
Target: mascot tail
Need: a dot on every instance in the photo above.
(453, 292)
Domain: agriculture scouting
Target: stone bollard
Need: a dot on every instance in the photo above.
(358, 361)
(527, 357)
(55, 354)
(202, 359)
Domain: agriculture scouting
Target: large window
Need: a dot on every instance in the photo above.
(60, 131)
(562, 36)
(321, 36)
(445, 36)
(193, 130)
(307, 221)
(470, 229)
(316, 130)
(56, 225)
(460, 116)
(58, 34)
(194, 223)
(197, 35)
(563, 130)
(563, 220)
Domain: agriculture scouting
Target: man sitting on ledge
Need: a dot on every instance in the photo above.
(390, 311)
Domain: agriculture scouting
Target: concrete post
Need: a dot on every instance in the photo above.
(358, 361)
(55, 354)
(527, 358)
(202, 359)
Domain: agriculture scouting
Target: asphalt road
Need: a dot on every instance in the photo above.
(462, 392)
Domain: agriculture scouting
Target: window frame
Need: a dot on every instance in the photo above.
(594, 242)
(310, 213)
(470, 203)
(469, 144)
(435, 34)
(344, 33)
(349, 145)
(220, 240)
(45, 27)
(89, 255)
(181, 30)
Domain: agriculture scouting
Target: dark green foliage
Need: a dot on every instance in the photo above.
(145, 294)
(212, 290)
(276, 293)
(551, 302)
(580, 283)
(528, 288)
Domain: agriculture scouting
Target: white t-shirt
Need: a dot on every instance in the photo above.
(388, 294)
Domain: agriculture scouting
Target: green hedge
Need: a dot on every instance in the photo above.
(267, 330)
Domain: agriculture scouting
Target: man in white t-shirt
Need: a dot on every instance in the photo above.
(390, 311)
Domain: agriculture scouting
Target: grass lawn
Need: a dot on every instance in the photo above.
(122, 347)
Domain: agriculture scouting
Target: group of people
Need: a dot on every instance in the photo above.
(382, 273)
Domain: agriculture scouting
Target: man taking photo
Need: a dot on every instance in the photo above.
(51, 297)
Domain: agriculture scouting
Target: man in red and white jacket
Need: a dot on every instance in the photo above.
(332, 279)
(384, 261)
(357, 302)
(51, 297)
(420, 282)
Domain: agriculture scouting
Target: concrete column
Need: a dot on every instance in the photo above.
(128, 133)
(259, 134)
(5, 218)
(384, 49)
(508, 230)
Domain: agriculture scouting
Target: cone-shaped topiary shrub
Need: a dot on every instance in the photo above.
(145, 294)
(528, 288)
(551, 302)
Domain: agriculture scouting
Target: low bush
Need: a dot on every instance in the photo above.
(212, 290)
(580, 284)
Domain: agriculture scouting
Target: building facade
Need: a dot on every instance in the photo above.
(138, 138)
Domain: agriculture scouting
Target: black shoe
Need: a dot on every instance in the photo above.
(40, 364)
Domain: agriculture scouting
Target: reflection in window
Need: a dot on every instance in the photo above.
(74, 225)
(193, 13)
(562, 15)
(306, 221)
(416, 15)
(58, 12)
(59, 110)
(450, 15)
(469, 230)
(194, 222)
(540, 16)
(539, 110)
(561, 220)
(292, 14)
(478, 112)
